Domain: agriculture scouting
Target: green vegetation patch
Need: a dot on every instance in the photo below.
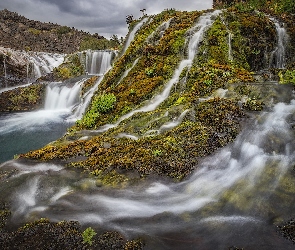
(71, 67)
(22, 98)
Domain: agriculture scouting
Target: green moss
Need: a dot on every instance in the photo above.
(101, 104)
(23, 98)
(287, 76)
(87, 235)
(71, 67)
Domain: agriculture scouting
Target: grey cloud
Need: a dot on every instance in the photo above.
(96, 16)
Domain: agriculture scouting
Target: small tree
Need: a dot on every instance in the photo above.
(143, 11)
(129, 19)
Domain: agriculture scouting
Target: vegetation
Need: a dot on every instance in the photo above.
(87, 235)
(71, 67)
(101, 104)
(22, 99)
(97, 44)
(43, 234)
(232, 49)
(202, 113)
(276, 6)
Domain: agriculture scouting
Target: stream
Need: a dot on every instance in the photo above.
(235, 197)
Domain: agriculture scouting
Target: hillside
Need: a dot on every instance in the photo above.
(186, 142)
(166, 76)
(20, 33)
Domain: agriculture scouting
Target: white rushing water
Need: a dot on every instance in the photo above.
(131, 36)
(24, 131)
(37, 64)
(250, 170)
(98, 62)
(43, 63)
(59, 102)
(60, 96)
(278, 56)
(197, 35)
(126, 72)
(159, 32)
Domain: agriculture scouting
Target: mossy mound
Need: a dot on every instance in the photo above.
(23, 98)
(43, 234)
(199, 115)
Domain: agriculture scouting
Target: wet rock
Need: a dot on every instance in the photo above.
(287, 230)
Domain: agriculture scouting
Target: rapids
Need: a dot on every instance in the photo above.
(236, 194)
(42, 126)
(235, 197)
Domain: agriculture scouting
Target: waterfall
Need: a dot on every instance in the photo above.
(278, 56)
(230, 37)
(159, 32)
(86, 98)
(127, 71)
(168, 125)
(62, 97)
(197, 33)
(132, 34)
(98, 62)
(4, 67)
(43, 63)
(240, 187)
(36, 64)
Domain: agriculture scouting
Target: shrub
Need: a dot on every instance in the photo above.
(88, 235)
(100, 105)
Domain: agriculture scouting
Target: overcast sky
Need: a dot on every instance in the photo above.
(105, 17)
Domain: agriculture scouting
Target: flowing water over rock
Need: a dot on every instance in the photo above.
(278, 56)
(236, 194)
(21, 132)
(43, 63)
(132, 34)
(196, 36)
(98, 62)
(37, 64)
(234, 198)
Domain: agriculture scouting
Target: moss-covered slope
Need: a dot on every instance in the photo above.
(201, 113)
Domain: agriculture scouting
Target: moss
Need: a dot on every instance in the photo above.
(101, 104)
(287, 230)
(22, 98)
(71, 67)
(88, 84)
(287, 76)
(43, 234)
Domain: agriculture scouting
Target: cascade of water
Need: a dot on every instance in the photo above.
(230, 37)
(13, 87)
(86, 98)
(127, 71)
(239, 184)
(98, 62)
(168, 125)
(159, 32)
(278, 56)
(198, 31)
(132, 34)
(5, 71)
(44, 63)
(4, 65)
(105, 65)
(62, 97)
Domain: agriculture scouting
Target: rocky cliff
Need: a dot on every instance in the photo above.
(20, 33)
